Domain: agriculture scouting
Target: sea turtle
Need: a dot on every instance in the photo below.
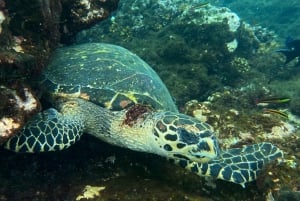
(106, 91)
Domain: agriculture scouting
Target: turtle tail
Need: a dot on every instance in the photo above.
(238, 165)
(46, 131)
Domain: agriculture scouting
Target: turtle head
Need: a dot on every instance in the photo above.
(184, 137)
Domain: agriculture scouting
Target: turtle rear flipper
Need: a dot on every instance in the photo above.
(238, 165)
(46, 131)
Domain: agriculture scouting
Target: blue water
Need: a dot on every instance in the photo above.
(280, 16)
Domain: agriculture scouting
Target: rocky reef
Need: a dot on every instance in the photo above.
(217, 67)
(18, 104)
(27, 39)
(208, 53)
(196, 48)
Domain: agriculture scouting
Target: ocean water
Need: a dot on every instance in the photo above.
(224, 63)
(276, 15)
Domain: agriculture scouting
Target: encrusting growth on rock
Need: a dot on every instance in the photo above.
(16, 108)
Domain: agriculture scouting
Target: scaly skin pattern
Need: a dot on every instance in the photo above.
(176, 136)
(82, 78)
(47, 131)
(168, 134)
(185, 137)
(238, 165)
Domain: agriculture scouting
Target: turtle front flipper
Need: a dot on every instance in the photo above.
(47, 131)
(238, 165)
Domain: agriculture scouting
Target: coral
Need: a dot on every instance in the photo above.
(28, 38)
(8, 127)
(220, 14)
(226, 112)
(81, 14)
(26, 41)
(231, 46)
(17, 105)
(240, 64)
(90, 192)
(280, 131)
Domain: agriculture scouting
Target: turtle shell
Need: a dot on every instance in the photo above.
(107, 75)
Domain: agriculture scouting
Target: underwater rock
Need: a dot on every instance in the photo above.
(26, 40)
(289, 196)
(2, 14)
(280, 131)
(218, 15)
(240, 64)
(231, 46)
(81, 14)
(18, 103)
(236, 121)
(27, 35)
(191, 45)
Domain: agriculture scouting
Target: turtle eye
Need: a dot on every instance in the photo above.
(187, 137)
(207, 148)
(204, 146)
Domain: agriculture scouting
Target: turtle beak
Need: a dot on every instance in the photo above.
(207, 149)
(202, 146)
